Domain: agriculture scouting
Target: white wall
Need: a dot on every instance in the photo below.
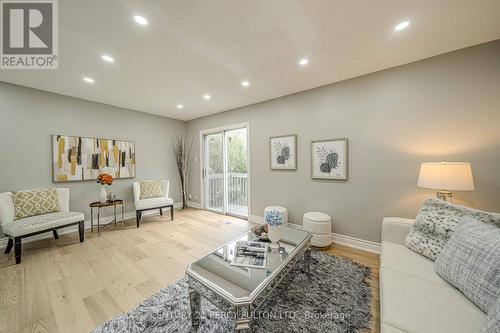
(442, 108)
(28, 117)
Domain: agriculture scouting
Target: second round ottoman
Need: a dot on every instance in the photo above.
(320, 226)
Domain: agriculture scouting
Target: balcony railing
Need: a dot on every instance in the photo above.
(237, 187)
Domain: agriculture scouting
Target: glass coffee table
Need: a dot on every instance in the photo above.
(238, 290)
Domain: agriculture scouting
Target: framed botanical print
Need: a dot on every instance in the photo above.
(329, 159)
(283, 152)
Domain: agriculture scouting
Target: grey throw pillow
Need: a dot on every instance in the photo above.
(492, 324)
(435, 223)
(470, 261)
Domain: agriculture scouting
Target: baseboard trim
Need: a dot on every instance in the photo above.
(193, 204)
(353, 242)
(357, 243)
(104, 220)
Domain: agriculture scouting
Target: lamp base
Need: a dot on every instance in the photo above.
(445, 195)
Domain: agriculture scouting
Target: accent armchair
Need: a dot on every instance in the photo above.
(16, 230)
(142, 205)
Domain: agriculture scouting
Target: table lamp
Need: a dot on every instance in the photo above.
(446, 177)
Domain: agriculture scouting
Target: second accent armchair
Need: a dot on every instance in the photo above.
(152, 203)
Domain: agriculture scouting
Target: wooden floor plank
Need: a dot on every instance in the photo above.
(101, 306)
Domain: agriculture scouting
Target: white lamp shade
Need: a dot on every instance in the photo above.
(450, 176)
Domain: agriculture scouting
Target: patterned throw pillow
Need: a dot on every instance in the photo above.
(35, 202)
(470, 261)
(492, 324)
(435, 223)
(151, 189)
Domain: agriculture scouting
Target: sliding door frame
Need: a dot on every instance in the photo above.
(203, 162)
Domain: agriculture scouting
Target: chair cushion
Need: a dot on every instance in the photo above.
(470, 261)
(151, 189)
(41, 222)
(413, 304)
(398, 257)
(151, 203)
(435, 223)
(35, 202)
(386, 328)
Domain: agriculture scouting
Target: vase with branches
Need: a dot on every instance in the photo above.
(182, 151)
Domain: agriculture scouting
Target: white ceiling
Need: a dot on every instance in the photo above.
(193, 47)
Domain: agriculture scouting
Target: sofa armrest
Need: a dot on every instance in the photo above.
(395, 229)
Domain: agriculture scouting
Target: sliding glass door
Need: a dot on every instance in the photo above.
(225, 171)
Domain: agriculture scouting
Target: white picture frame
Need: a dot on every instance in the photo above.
(283, 152)
(329, 159)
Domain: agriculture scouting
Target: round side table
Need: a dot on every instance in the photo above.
(99, 205)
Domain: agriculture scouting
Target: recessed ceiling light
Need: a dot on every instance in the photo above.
(107, 58)
(141, 20)
(207, 97)
(303, 62)
(402, 25)
(180, 106)
(245, 83)
(88, 79)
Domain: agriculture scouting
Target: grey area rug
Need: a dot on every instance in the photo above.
(335, 297)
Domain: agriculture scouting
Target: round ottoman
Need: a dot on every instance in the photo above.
(320, 226)
(282, 210)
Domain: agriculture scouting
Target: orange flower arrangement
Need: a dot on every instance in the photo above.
(105, 179)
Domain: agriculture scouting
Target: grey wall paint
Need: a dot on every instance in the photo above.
(442, 108)
(28, 117)
(446, 107)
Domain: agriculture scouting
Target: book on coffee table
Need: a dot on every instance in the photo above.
(250, 254)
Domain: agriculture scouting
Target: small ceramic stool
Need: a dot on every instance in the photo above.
(282, 210)
(320, 226)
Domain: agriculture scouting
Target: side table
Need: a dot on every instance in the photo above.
(99, 205)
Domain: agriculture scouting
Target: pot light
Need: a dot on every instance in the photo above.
(245, 83)
(402, 25)
(180, 106)
(207, 97)
(107, 58)
(88, 79)
(303, 62)
(141, 20)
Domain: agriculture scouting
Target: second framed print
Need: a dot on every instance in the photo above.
(329, 159)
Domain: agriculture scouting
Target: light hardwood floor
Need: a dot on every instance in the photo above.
(67, 286)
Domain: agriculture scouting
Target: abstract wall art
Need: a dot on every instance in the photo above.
(283, 152)
(329, 159)
(78, 158)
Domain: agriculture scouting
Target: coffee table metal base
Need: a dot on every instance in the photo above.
(241, 313)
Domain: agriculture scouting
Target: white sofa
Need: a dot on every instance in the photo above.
(413, 298)
(16, 230)
(142, 205)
